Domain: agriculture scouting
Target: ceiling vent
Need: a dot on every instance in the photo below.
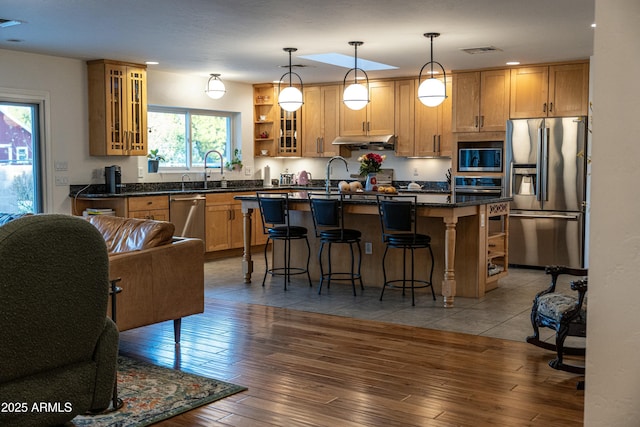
(484, 49)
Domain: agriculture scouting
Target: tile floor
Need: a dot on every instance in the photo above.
(501, 313)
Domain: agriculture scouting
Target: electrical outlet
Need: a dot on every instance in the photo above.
(247, 171)
(368, 248)
(140, 172)
(415, 171)
(62, 180)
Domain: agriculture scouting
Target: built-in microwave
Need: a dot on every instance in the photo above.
(485, 156)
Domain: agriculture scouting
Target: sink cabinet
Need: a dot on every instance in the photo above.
(117, 108)
(224, 223)
(550, 91)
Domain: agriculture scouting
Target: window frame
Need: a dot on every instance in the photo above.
(231, 144)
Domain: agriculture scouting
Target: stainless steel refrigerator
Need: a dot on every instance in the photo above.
(546, 176)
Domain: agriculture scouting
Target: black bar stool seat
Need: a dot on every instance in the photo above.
(274, 212)
(328, 222)
(399, 219)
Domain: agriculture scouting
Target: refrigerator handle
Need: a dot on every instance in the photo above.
(538, 165)
(545, 175)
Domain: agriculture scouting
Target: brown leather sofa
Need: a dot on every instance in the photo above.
(162, 277)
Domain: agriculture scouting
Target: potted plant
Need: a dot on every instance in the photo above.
(236, 161)
(154, 160)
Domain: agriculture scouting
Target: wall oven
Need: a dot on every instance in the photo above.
(485, 156)
(478, 187)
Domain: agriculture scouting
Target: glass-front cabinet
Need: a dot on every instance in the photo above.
(117, 108)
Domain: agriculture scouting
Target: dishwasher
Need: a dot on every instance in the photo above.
(186, 212)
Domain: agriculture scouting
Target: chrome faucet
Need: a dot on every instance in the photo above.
(327, 183)
(185, 175)
(205, 165)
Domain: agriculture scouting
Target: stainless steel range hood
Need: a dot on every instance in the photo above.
(366, 142)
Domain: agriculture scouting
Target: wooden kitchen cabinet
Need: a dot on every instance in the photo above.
(405, 94)
(224, 223)
(320, 120)
(550, 91)
(377, 118)
(481, 101)
(117, 108)
(497, 238)
(264, 104)
(148, 207)
(433, 136)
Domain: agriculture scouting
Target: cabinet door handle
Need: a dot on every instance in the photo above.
(476, 122)
(368, 127)
(439, 143)
(481, 121)
(322, 144)
(551, 107)
(434, 143)
(544, 107)
(363, 126)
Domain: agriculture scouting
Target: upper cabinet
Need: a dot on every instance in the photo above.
(433, 136)
(264, 115)
(421, 131)
(117, 108)
(550, 91)
(377, 118)
(481, 101)
(276, 131)
(320, 120)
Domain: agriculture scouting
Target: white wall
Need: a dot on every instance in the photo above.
(612, 395)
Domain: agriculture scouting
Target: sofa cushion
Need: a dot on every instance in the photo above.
(132, 234)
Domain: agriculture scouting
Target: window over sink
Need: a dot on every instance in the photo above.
(183, 136)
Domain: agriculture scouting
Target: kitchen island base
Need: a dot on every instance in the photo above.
(464, 240)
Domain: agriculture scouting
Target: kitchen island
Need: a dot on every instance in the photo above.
(469, 239)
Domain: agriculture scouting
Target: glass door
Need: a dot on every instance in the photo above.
(20, 180)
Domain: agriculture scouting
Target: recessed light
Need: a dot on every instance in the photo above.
(152, 62)
(513, 63)
(593, 25)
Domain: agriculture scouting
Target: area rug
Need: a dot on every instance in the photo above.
(153, 393)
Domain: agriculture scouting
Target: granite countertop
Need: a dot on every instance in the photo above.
(423, 199)
(97, 191)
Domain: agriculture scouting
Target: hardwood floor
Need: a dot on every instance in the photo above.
(310, 369)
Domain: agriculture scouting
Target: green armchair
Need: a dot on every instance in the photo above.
(59, 350)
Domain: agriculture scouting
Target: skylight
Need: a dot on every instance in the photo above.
(346, 61)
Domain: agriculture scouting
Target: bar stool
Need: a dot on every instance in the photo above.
(398, 219)
(274, 210)
(328, 223)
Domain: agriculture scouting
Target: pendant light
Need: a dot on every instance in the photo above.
(432, 92)
(290, 98)
(355, 96)
(215, 88)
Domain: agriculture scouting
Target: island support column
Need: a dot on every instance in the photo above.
(247, 262)
(449, 282)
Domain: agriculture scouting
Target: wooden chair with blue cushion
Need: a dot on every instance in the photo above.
(565, 313)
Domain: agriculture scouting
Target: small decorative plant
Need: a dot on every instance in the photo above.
(154, 160)
(236, 161)
(370, 163)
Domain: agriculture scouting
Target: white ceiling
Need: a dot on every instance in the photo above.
(243, 39)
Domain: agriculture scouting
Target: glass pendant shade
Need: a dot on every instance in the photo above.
(290, 98)
(215, 88)
(356, 96)
(432, 92)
